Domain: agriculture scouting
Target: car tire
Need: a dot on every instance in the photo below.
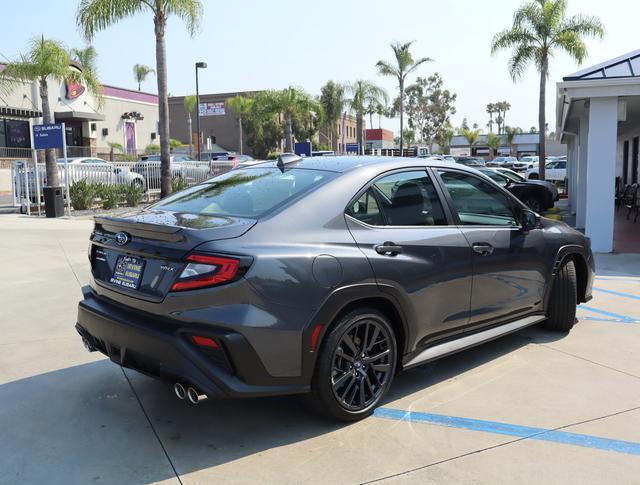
(534, 203)
(564, 298)
(534, 176)
(137, 183)
(347, 386)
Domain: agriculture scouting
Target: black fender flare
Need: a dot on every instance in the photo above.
(332, 306)
(561, 255)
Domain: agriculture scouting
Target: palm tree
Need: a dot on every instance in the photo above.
(540, 27)
(362, 94)
(96, 15)
(491, 108)
(140, 73)
(493, 142)
(332, 102)
(242, 105)
(189, 103)
(381, 110)
(113, 146)
(291, 103)
(48, 60)
(504, 106)
(511, 135)
(400, 68)
(472, 137)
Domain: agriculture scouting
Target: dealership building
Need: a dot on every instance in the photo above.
(598, 118)
(125, 116)
(220, 124)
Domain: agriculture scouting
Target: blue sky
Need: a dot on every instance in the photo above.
(252, 45)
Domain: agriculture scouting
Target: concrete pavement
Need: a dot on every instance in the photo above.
(68, 416)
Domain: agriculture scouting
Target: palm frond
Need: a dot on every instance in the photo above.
(190, 11)
(96, 15)
(520, 59)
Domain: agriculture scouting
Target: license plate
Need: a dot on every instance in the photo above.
(128, 272)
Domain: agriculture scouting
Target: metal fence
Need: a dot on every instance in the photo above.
(27, 187)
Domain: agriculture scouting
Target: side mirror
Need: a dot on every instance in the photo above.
(529, 220)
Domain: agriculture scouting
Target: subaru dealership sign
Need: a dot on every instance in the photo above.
(48, 136)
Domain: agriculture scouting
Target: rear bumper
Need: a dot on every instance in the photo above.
(164, 350)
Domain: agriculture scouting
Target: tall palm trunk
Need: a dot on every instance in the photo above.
(359, 125)
(541, 117)
(190, 122)
(288, 134)
(53, 178)
(163, 105)
(401, 115)
(240, 134)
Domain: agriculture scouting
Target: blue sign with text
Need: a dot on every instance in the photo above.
(302, 148)
(48, 136)
(352, 147)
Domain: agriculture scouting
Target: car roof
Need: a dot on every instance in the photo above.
(347, 163)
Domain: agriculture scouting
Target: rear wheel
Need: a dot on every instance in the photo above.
(564, 298)
(356, 365)
(534, 203)
(534, 176)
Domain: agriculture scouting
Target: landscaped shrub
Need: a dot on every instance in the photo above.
(177, 184)
(132, 194)
(109, 195)
(82, 195)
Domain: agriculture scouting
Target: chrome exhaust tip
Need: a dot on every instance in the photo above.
(194, 396)
(180, 391)
(88, 345)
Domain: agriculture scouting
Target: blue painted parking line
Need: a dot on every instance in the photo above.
(495, 427)
(614, 317)
(617, 293)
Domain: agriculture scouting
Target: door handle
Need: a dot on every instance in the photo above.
(483, 249)
(388, 248)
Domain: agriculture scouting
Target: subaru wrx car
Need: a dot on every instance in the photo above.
(324, 276)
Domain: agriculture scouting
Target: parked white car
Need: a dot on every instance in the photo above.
(554, 170)
(525, 163)
(96, 170)
(502, 161)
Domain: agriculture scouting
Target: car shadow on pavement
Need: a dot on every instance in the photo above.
(86, 422)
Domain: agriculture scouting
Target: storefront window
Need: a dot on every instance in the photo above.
(14, 133)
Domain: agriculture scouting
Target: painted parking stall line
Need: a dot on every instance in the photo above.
(617, 293)
(506, 429)
(612, 317)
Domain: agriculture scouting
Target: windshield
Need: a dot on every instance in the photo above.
(249, 192)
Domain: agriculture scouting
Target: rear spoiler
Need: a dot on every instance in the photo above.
(144, 230)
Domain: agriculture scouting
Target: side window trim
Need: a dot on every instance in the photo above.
(451, 205)
(450, 219)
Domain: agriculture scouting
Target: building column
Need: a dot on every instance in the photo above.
(571, 172)
(601, 172)
(581, 180)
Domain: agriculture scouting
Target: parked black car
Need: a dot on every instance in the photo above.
(537, 197)
(470, 161)
(324, 276)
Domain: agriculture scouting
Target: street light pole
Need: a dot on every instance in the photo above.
(199, 65)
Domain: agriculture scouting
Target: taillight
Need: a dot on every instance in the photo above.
(203, 270)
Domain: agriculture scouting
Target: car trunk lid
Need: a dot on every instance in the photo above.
(142, 253)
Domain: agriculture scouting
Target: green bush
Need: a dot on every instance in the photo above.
(82, 195)
(132, 194)
(109, 195)
(177, 184)
(152, 148)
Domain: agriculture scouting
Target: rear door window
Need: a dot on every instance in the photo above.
(400, 199)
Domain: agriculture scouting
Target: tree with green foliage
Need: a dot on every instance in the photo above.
(540, 28)
(511, 133)
(332, 99)
(493, 142)
(242, 105)
(189, 103)
(48, 60)
(444, 136)
(491, 110)
(96, 15)
(428, 107)
(472, 136)
(140, 73)
(360, 95)
(400, 67)
(113, 146)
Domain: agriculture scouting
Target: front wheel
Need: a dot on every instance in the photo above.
(534, 176)
(534, 203)
(564, 299)
(356, 365)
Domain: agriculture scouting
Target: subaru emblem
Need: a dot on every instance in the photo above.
(122, 238)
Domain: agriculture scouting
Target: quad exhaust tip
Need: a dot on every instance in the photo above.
(180, 391)
(88, 345)
(194, 396)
